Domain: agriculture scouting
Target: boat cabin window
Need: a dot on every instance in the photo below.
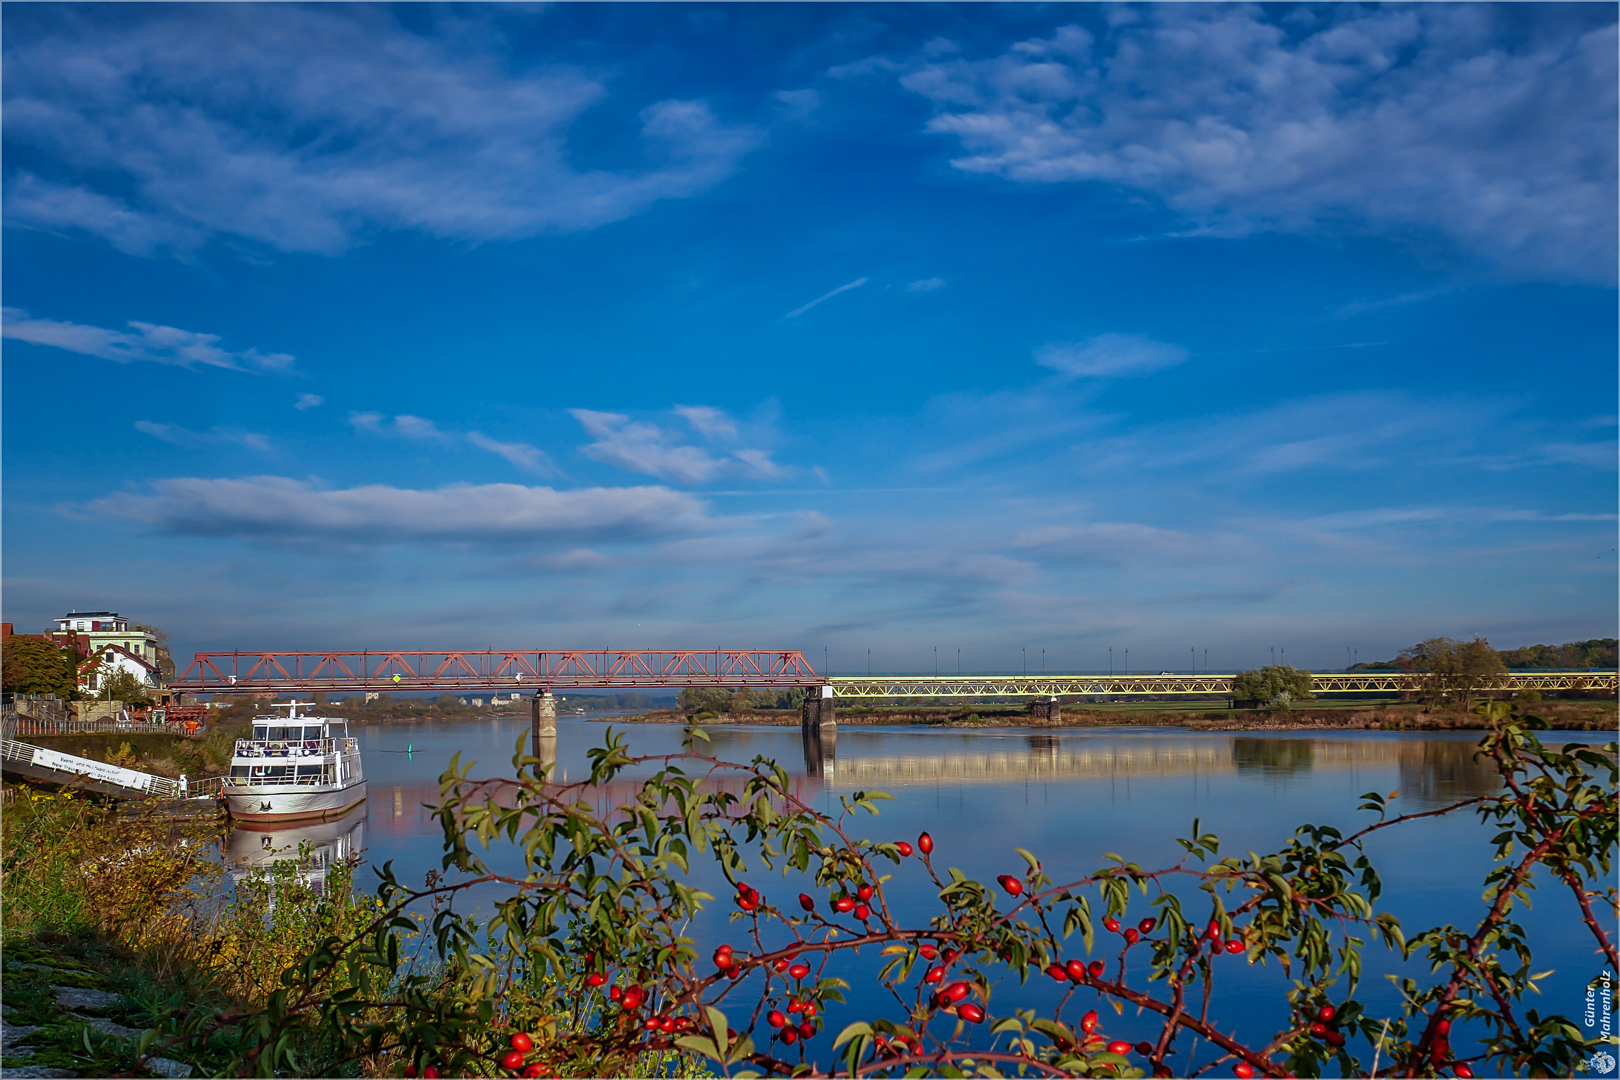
(311, 734)
(239, 770)
(260, 731)
(339, 729)
(309, 774)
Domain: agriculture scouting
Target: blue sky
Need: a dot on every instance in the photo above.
(991, 327)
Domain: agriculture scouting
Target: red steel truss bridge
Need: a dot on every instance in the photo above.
(516, 670)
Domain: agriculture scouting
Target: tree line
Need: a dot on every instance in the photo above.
(1601, 653)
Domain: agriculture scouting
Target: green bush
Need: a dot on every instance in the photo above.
(1276, 686)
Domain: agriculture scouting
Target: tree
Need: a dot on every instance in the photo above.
(33, 665)
(1275, 685)
(1455, 669)
(120, 685)
(696, 699)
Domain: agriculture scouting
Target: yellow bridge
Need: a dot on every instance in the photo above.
(1061, 686)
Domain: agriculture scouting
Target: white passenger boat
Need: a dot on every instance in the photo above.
(296, 767)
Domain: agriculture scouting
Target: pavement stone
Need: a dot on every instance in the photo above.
(73, 997)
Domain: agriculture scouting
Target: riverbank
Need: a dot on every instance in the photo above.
(1561, 715)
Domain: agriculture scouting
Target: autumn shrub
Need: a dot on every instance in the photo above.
(585, 965)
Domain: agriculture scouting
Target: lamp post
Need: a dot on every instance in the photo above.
(1110, 661)
(936, 661)
(1025, 650)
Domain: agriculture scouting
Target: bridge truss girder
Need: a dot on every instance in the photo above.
(1062, 686)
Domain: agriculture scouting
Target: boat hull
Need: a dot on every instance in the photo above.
(268, 805)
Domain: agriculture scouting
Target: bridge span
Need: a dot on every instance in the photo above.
(536, 670)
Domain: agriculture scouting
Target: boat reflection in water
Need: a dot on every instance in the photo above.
(315, 847)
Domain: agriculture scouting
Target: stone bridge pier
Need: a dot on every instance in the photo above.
(543, 726)
(818, 717)
(1049, 710)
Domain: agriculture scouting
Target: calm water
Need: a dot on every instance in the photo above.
(1070, 796)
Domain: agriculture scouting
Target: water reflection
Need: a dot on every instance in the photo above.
(316, 847)
(1430, 769)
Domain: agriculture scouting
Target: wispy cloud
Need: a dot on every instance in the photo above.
(148, 342)
(280, 508)
(926, 285)
(190, 124)
(796, 312)
(528, 458)
(1109, 355)
(308, 401)
(647, 448)
(1387, 117)
(175, 435)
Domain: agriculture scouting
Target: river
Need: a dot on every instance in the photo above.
(1070, 795)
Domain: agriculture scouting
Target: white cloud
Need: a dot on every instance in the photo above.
(797, 104)
(1115, 542)
(308, 401)
(1454, 118)
(280, 508)
(528, 458)
(646, 448)
(926, 285)
(796, 312)
(403, 426)
(149, 342)
(176, 435)
(1108, 355)
(304, 128)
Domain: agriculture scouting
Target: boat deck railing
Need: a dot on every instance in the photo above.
(294, 748)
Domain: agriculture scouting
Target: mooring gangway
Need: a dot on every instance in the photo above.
(69, 770)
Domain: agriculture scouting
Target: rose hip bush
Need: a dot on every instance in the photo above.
(585, 966)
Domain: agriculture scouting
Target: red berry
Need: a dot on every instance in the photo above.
(1319, 1029)
(1214, 931)
(1462, 1069)
(615, 994)
(430, 1073)
(1057, 973)
(904, 849)
(512, 1060)
(1328, 1012)
(862, 912)
(1096, 968)
(807, 902)
(807, 1030)
(971, 1013)
(950, 956)
(410, 1072)
(775, 1018)
(1119, 1046)
(780, 965)
(667, 1024)
(1076, 970)
(1442, 1028)
(722, 957)
(1144, 1048)
(844, 904)
(795, 1005)
(1111, 924)
(809, 1008)
(865, 892)
(790, 1035)
(651, 1023)
(521, 1041)
(925, 844)
(934, 974)
(1334, 1038)
(1243, 1070)
(595, 978)
(928, 951)
(799, 971)
(1131, 936)
(735, 972)
(1234, 946)
(1147, 925)
(1013, 886)
(1088, 1022)
(957, 991)
(534, 1070)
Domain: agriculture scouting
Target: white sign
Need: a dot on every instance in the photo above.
(95, 770)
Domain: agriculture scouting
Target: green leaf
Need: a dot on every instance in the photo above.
(860, 1027)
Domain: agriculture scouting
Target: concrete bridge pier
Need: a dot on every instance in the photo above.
(1049, 711)
(543, 721)
(818, 717)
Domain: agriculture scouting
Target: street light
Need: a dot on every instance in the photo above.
(1110, 661)
(936, 661)
(1025, 650)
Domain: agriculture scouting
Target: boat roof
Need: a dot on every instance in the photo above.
(292, 708)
